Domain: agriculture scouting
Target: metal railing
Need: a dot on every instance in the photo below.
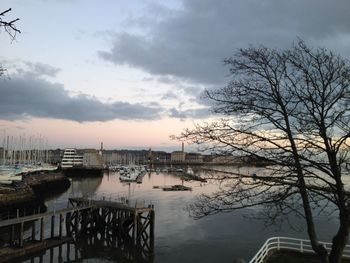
(292, 244)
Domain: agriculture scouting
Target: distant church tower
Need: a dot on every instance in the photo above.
(101, 150)
(149, 155)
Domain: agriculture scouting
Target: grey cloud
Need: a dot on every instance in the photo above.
(191, 43)
(192, 113)
(193, 90)
(42, 69)
(167, 80)
(28, 96)
(169, 96)
(147, 79)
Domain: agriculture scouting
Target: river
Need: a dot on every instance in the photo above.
(179, 237)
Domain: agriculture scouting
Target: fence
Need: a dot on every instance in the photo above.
(291, 244)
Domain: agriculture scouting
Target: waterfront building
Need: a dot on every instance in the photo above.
(178, 157)
(124, 157)
(92, 158)
(195, 158)
(161, 157)
(71, 158)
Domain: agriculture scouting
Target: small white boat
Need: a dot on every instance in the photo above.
(189, 171)
(130, 175)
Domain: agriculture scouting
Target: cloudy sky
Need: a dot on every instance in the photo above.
(130, 73)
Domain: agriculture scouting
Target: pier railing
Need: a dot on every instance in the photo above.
(290, 244)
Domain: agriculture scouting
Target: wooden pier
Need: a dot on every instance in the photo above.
(117, 223)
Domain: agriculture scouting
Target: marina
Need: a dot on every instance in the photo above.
(180, 131)
(21, 154)
(176, 234)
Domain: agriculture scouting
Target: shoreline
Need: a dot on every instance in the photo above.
(47, 182)
(31, 189)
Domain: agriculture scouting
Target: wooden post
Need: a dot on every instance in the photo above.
(52, 226)
(120, 218)
(76, 226)
(134, 228)
(139, 229)
(76, 255)
(51, 255)
(60, 258)
(68, 252)
(84, 221)
(68, 224)
(12, 235)
(21, 235)
(42, 230)
(152, 230)
(33, 231)
(60, 230)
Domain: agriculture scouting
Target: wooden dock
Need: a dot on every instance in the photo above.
(176, 187)
(132, 226)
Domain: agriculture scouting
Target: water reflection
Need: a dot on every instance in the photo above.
(180, 238)
(84, 187)
(93, 249)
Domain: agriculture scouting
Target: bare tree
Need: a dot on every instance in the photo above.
(10, 27)
(292, 108)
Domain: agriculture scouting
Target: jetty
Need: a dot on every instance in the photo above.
(176, 187)
(28, 192)
(122, 224)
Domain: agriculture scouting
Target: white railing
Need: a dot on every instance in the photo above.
(293, 244)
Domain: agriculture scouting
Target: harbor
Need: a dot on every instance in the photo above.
(174, 131)
(129, 208)
(176, 234)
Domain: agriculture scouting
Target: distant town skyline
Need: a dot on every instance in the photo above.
(131, 73)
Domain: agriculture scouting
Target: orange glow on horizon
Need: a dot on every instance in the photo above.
(114, 134)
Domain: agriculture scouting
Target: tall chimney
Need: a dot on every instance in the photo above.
(183, 147)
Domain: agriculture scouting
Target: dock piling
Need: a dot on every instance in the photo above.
(60, 226)
(52, 226)
(33, 231)
(42, 230)
(110, 223)
(21, 234)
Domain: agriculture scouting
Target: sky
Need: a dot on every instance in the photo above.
(132, 73)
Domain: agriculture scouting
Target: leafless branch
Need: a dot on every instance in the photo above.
(9, 25)
(290, 108)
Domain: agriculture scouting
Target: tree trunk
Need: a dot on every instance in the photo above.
(319, 249)
(339, 241)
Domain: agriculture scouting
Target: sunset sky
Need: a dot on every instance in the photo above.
(131, 73)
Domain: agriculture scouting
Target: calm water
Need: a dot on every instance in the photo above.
(180, 238)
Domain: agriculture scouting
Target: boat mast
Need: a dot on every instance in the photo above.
(3, 149)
